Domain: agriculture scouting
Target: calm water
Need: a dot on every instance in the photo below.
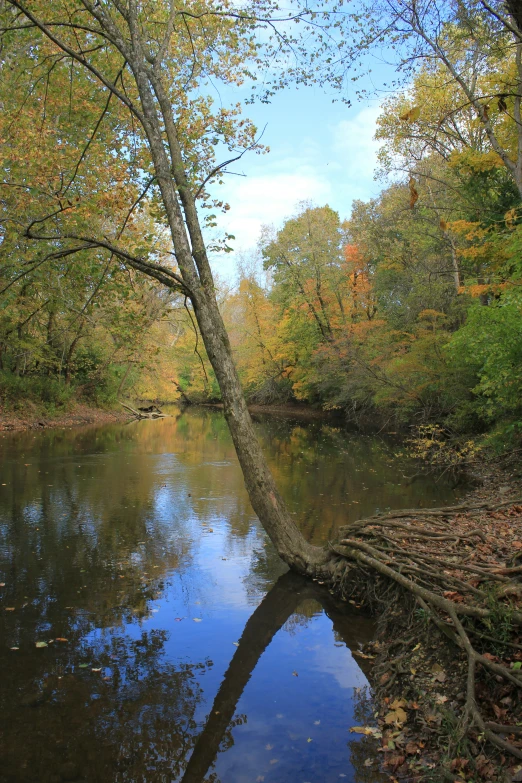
(178, 649)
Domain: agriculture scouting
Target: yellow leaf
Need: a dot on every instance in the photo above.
(411, 115)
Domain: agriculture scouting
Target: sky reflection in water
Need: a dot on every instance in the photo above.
(190, 654)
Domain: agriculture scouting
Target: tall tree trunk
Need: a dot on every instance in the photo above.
(194, 266)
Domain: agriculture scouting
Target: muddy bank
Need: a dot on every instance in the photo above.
(76, 417)
(438, 718)
(287, 409)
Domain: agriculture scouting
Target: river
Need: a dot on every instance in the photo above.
(148, 631)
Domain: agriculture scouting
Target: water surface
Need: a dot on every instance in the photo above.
(177, 648)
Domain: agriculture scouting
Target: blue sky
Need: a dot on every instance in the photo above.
(319, 151)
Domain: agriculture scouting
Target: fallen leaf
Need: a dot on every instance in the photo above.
(61, 639)
(295, 674)
(9, 608)
(367, 730)
(269, 747)
(309, 739)
(41, 644)
(96, 670)
(394, 762)
(397, 716)
(83, 665)
(197, 619)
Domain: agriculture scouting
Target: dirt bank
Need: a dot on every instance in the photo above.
(290, 410)
(77, 416)
(438, 718)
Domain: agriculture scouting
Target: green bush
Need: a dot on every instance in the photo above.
(490, 345)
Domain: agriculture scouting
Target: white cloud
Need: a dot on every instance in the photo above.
(269, 198)
(354, 144)
(333, 163)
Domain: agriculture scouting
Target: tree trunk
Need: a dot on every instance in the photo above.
(194, 266)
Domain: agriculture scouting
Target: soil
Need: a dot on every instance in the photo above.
(75, 417)
(419, 677)
(286, 409)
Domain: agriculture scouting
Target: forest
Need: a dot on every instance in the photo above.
(406, 311)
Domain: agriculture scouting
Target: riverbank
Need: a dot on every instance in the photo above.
(79, 415)
(36, 418)
(447, 708)
(420, 679)
(291, 410)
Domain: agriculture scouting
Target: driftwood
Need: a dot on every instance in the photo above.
(145, 413)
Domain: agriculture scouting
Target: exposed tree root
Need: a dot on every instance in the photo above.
(457, 565)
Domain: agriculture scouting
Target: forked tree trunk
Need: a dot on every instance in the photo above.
(156, 114)
(194, 266)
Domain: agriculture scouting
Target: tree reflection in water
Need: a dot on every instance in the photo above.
(135, 720)
(100, 529)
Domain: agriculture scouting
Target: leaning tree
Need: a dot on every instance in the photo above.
(135, 76)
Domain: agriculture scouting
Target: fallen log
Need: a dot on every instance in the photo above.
(145, 413)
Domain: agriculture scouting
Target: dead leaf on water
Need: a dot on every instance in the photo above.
(295, 674)
(367, 730)
(197, 619)
(41, 644)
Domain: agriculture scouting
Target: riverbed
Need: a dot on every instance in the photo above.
(148, 630)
